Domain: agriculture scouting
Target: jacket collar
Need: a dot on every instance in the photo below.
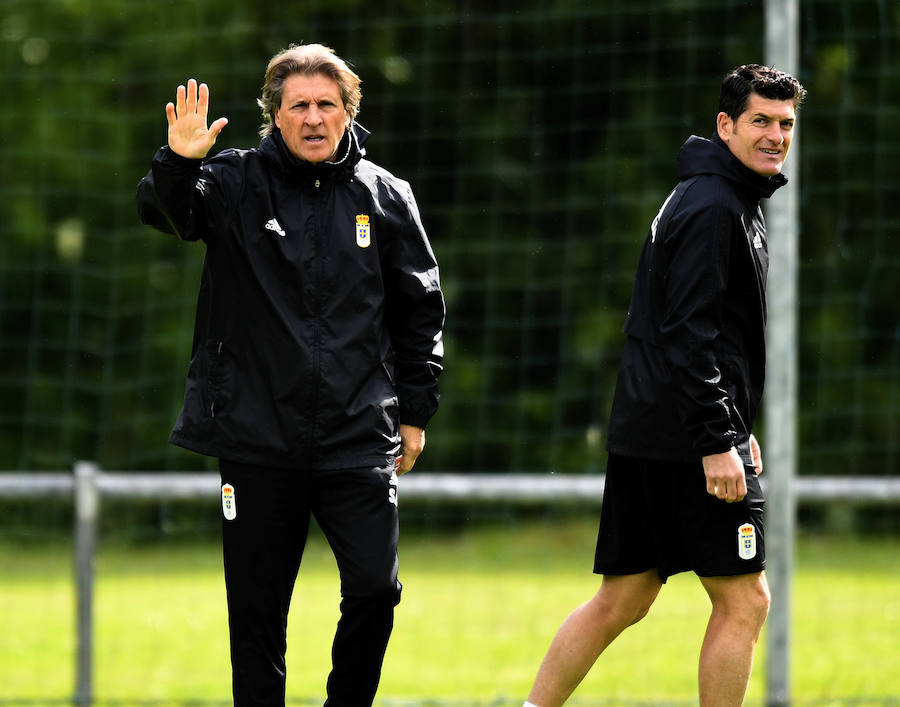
(711, 156)
(350, 151)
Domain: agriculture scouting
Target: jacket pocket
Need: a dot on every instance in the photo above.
(219, 377)
(754, 498)
(736, 386)
(388, 368)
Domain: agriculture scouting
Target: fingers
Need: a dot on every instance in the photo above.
(412, 442)
(180, 100)
(730, 490)
(756, 451)
(405, 462)
(202, 99)
(188, 133)
(191, 99)
(719, 490)
(725, 476)
(216, 127)
(740, 490)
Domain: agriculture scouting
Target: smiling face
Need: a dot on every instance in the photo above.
(760, 137)
(312, 117)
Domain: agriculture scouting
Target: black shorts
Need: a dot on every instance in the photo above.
(658, 515)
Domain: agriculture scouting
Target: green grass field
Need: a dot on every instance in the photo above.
(479, 609)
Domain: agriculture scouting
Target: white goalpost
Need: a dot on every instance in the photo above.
(780, 400)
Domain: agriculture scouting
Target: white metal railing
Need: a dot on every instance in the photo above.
(514, 487)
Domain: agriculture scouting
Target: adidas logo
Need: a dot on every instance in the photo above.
(273, 225)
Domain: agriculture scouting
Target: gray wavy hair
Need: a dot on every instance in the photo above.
(308, 59)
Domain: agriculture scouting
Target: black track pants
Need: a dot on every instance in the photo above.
(265, 522)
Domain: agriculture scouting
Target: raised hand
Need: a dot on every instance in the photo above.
(188, 134)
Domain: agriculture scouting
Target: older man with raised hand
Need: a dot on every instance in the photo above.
(317, 349)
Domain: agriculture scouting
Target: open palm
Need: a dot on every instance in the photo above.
(189, 135)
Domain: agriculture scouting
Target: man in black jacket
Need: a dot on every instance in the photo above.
(317, 348)
(682, 492)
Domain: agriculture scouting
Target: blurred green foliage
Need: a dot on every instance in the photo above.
(539, 138)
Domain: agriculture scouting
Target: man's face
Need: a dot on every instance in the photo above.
(760, 136)
(312, 117)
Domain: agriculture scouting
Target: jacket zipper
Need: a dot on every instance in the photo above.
(317, 328)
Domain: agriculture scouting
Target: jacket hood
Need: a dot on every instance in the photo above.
(350, 151)
(711, 156)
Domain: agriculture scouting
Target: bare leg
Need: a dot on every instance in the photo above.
(740, 605)
(620, 602)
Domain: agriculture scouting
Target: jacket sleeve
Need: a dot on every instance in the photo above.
(697, 247)
(181, 196)
(415, 316)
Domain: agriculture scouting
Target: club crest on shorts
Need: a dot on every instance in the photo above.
(747, 541)
(229, 503)
(363, 232)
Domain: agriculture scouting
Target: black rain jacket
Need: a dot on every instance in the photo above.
(693, 368)
(319, 316)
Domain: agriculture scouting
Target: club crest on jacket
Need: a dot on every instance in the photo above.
(363, 234)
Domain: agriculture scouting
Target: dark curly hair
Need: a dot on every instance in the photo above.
(765, 81)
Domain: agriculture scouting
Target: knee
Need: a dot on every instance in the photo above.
(388, 593)
(757, 600)
(761, 602)
(747, 603)
(384, 593)
(623, 611)
(638, 613)
(752, 615)
(632, 612)
(627, 599)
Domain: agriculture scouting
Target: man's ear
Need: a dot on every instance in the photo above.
(724, 125)
(275, 118)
